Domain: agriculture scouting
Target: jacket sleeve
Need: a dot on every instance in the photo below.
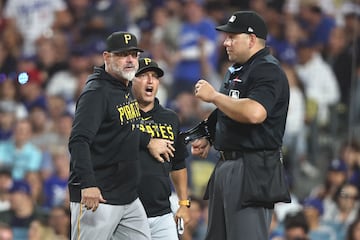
(144, 139)
(90, 111)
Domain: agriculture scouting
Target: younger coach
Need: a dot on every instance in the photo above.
(155, 189)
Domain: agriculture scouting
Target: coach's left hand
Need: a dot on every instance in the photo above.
(184, 213)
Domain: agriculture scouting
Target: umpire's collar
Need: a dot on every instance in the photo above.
(261, 53)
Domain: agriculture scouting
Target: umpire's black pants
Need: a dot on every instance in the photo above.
(226, 220)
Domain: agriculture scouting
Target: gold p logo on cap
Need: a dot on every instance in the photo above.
(127, 38)
(147, 61)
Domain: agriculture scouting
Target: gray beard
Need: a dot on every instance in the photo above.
(128, 75)
(124, 74)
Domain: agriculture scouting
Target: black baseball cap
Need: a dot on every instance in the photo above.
(245, 22)
(121, 42)
(147, 64)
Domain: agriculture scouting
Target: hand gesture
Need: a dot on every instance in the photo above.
(91, 197)
(161, 149)
(205, 91)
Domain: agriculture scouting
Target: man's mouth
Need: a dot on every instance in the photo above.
(149, 89)
(129, 67)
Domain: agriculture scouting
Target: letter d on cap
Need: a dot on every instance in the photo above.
(127, 38)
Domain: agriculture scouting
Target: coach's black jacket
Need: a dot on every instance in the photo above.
(103, 144)
(155, 187)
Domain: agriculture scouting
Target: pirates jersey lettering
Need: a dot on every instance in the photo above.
(157, 130)
(129, 112)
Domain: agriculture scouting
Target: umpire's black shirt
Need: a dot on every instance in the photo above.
(260, 79)
(103, 144)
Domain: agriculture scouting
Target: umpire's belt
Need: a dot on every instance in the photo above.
(234, 155)
(231, 155)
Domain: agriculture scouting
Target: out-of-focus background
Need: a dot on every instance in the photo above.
(49, 47)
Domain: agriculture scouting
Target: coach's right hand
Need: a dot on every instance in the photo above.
(91, 197)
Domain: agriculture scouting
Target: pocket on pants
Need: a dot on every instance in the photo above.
(263, 181)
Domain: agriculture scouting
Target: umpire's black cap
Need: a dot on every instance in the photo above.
(245, 22)
(121, 42)
(147, 64)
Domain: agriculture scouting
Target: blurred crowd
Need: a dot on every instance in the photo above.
(48, 48)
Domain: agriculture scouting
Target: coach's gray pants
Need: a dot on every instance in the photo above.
(109, 222)
(163, 227)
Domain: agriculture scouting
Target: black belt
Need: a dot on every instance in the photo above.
(231, 155)
(234, 155)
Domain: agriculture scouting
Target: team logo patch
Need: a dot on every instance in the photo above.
(250, 29)
(234, 94)
(232, 18)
